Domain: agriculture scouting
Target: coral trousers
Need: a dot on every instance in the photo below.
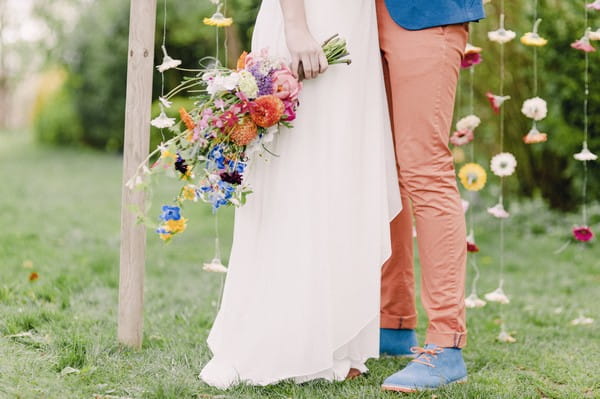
(421, 70)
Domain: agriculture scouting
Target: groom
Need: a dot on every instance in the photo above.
(422, 43)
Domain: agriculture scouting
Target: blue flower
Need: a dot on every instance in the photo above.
(170, 213)
(238, 167)
(216, 156)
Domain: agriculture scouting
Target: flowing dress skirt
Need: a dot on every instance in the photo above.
(301, 298)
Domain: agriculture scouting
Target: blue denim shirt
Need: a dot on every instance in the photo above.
(421, 14)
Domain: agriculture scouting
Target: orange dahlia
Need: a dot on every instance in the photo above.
(187, 119)
(266, 111)
(244, 131)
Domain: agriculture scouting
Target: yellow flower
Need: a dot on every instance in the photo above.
(168, 154)
(175, 226)
(165, 237)
(189, 193)
(533, 39)
(218, 20)
(472, 176)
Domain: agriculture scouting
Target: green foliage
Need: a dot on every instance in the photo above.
(58, 122)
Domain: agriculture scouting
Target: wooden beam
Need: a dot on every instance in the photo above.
(140, 68)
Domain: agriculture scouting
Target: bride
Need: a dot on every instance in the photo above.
(301, 299)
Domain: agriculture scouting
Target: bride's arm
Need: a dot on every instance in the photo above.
(303, 47)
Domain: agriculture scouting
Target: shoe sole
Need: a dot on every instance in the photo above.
(400, 388)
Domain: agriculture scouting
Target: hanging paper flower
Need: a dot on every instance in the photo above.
(533, 38)
(594, 35)
(473, 301)
(595, 5)
(506, 338)
(472, 56)
(168, 62)
(215, 266)
(472, 176)
(535, 108)
(585, 154)
(501, 35)
(534, 136)
(166, 103)
(498, 296)
(496, 101)
(471, 245)
(469, 122)
(498, 211)
(218, 19)
(584, 44)
(162, 121)
(462, 137)
(582, 321)
(504, 164)
(583, 233)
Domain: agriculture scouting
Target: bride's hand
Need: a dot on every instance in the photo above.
(307, 55)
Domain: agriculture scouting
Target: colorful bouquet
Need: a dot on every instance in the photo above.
(236, 115)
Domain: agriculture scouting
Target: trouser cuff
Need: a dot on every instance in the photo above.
(447, 339)
(399, 322)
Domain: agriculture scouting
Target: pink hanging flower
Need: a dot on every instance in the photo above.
(584, 44)
(496, 101)
(498, 211)
(472, 56)
(462, 137)
(595, 5)
(535, 136)
(471, 245)
(583, 233)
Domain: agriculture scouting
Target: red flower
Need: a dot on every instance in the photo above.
(229, 118)
(471, 59)
(266, 111)
(33, 276)
(472, 247)
(583, 233)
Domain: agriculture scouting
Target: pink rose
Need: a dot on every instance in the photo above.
(285, 85)
(290, 111)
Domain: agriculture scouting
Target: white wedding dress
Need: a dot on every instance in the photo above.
(301, 299)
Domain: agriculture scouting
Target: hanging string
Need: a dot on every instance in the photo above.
(586, 79)
(162, 74)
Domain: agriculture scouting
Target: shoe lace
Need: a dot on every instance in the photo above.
(426, 356)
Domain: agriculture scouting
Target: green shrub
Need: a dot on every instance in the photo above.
(57, 121)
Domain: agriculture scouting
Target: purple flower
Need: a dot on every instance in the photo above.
(264, 82)
(232, 178)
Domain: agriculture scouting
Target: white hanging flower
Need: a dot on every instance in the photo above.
(165, 103)
(162, 121)
(582, 321)
(503, 164)
(506, 337)
(501, 35)
(585, 154)
(498, 296)
(498, 211)
(168, 62)
(594, 35)
(215, 266)
(535, 108)
(469, 122)
(473, 301)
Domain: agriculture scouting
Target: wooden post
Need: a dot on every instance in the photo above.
(140, 67)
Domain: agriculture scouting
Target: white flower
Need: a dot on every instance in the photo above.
(585, 154)
(218, 82)
(168, 62)
(166, 103)
(162, 121)
(506, 337)
(582, 321)
(248, 85)
(497, 295)
(594, 35)
(498, 211)
(215, 266)
(535, 108)
(501, 35)
(473, 301)
(469, 122)
(504, 164)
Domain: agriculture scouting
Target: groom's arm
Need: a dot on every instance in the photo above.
(304, 49)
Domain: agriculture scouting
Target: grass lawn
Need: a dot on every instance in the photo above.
(60, 218)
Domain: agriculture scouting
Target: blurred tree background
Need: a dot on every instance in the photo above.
(81, 100)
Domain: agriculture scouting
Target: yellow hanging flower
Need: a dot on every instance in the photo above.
(218, 20)
(533, 38)
(472, 176)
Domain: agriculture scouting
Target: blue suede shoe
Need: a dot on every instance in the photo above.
(397, 342)
(432, 368)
